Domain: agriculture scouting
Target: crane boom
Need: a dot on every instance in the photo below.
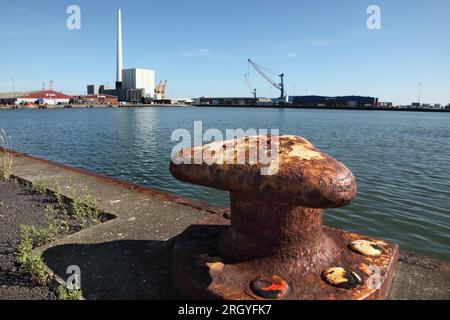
(279, 86)
(161, 89)
(250, 86)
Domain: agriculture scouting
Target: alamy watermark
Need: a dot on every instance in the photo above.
(236, 147)
(374, 19)
(375, 280)
(73, 22)
(74, 280)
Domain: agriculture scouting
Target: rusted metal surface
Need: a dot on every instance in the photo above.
(305, 176)
(341, 278)
(304, 275)
(276, 230)
(273, 287)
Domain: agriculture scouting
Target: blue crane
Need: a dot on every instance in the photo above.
(279, 86)
(250, 86)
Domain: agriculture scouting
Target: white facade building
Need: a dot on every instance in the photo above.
(139, 79)
(49, 97)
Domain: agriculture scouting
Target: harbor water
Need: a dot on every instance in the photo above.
(401, 160)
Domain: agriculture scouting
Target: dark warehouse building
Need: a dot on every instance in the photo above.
(345, 101)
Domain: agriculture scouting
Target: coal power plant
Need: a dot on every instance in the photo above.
(133, 85)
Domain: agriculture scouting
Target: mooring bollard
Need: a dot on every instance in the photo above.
(276, 246)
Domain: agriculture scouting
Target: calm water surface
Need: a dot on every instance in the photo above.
(401, 160)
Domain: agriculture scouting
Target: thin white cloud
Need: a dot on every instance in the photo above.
(291, 55)
(319, 42)
(23, 33)
(199, 52)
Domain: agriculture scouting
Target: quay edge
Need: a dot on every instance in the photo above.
(130, 257)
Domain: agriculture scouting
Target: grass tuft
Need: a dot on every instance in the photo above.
(85, 211)
(5, 156)
(57, 223)
(29, 260)
(58, 192)
(52, 227)
(66, 294)
(38, 187)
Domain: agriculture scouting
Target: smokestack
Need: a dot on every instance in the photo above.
(119, 46)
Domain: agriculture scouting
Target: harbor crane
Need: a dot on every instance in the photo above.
(260, 70)
(161, 89)
(253, 91)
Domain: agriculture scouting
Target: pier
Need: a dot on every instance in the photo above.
(130, 257)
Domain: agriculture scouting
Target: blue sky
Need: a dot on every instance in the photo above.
(202, 46)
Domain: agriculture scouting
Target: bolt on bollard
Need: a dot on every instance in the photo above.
(273, 245)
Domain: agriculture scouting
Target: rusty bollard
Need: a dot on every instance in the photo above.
(275, 246)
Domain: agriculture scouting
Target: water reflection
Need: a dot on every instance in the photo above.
(401, 160)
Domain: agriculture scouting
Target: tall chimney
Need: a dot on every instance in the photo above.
(119, 46)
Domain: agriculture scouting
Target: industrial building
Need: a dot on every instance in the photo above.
(97, 99)
(293, 101)
(49, 97)
(135, 85)
(139, 79)
(385, 104)
(321, 101)
(10, 98)
(126, 95)
(236, 101)
(132, 85)
(92, 89)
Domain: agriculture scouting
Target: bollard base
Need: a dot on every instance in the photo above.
(200, 273)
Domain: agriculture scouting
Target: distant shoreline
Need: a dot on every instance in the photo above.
(236, 106)
(329, 108)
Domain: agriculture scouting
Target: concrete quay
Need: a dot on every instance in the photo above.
(130, 257)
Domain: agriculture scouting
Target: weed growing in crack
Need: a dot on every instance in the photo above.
(85, 211)
(65, 218)
(38, 187)
(29, 260)
(58, 192)
(51, 230)
(65, 294)
(57, 224)
(5, 156)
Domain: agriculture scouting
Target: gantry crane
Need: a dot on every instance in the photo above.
(164, 90)
(161, 89)
(158, 87)
(253, 90)
(279, 86)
